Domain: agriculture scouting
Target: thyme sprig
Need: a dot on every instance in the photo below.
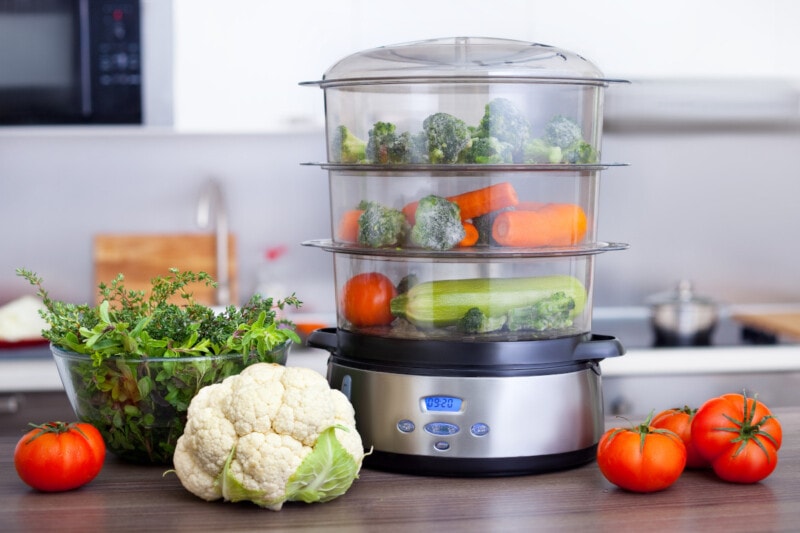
(137, 323)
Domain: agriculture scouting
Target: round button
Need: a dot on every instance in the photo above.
(406, 426)
(441, 446)
(479, 430)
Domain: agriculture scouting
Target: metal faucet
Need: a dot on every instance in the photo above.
(211, 197)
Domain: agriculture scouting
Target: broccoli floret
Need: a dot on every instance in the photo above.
(346, 147)
(446, 136)
(579, 152)
(502, 120)
(437, 224)
(549, 313)
(539, 151)
(386, 146)
(483, 224)
(487, 150)
(562, 132)
(476, 321)
(380, 226)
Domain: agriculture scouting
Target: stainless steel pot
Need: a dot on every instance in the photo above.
(681, 318)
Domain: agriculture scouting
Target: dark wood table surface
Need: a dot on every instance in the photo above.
(127, 497)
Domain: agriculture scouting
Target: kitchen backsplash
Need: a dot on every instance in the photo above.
(717, 208)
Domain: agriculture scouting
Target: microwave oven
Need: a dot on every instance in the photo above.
(70, 62)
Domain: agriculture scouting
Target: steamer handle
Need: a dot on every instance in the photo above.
(597, 348)
(324, 338)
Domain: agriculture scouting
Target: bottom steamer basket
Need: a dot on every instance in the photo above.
(472, 409)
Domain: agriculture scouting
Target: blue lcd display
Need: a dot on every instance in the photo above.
(446, 404)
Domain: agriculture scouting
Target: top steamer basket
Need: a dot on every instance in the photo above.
(464, 177)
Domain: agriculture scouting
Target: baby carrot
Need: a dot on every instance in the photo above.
(348, 226)
(550, 225)
(471, 236)
(481, 201)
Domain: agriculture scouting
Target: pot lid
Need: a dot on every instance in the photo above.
(682, 295)
(462, 58)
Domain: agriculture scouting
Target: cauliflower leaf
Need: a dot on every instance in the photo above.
(325, 473)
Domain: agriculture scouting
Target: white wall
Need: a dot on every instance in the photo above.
(238, 62)
(59, 189)
(719, 208)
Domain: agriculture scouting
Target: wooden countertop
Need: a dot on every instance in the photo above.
(125, 497)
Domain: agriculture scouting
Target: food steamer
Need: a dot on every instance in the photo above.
(466, 357)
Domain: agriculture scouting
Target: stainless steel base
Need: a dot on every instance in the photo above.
(493, 425)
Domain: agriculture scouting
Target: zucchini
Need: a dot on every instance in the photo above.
(443, 302)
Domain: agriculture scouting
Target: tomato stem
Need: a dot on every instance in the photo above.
(746, 430)
(644, 429)
(54, 427)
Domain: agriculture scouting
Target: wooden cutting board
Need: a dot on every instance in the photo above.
(141, 257)
(784, 324)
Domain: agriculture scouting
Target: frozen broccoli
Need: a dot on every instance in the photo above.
(476, 321)
(380, 226)
(503, 121)
(346, 147)
(579, 152)
(386, 146)
(437, 224)
(446, 136)
(539, 151)
(562, 131)
(549, 313)
(562, 143)
(487, 150)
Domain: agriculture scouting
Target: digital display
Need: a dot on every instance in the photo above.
(447, 404)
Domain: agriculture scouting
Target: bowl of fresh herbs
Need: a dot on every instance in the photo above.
(131, 364)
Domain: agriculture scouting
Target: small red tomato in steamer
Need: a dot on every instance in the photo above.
(366, 300)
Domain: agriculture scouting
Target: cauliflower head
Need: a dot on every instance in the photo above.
(268, 435)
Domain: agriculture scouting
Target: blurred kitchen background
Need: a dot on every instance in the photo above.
(709, 128)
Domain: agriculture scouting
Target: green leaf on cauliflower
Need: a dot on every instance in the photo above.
(325, 473)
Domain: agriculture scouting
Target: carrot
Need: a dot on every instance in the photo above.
(348, 226)
(410, 211)
(481, 201)
(550, 225)
(471, 236)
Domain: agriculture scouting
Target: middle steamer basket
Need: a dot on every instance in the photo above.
(557, 205)
(466, 295)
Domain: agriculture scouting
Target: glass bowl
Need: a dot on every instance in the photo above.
(139, 404)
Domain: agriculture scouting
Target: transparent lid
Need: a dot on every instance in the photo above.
(462, 57)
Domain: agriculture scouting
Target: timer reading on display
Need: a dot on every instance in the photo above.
(445, 404)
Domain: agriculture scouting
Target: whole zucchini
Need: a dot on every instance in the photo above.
(443, 302)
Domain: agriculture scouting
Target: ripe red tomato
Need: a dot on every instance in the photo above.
(641, 458)
(366, 298)
(739, 436)
(57, 456)
(679, 421)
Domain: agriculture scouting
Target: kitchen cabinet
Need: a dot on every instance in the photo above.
(573, 500)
